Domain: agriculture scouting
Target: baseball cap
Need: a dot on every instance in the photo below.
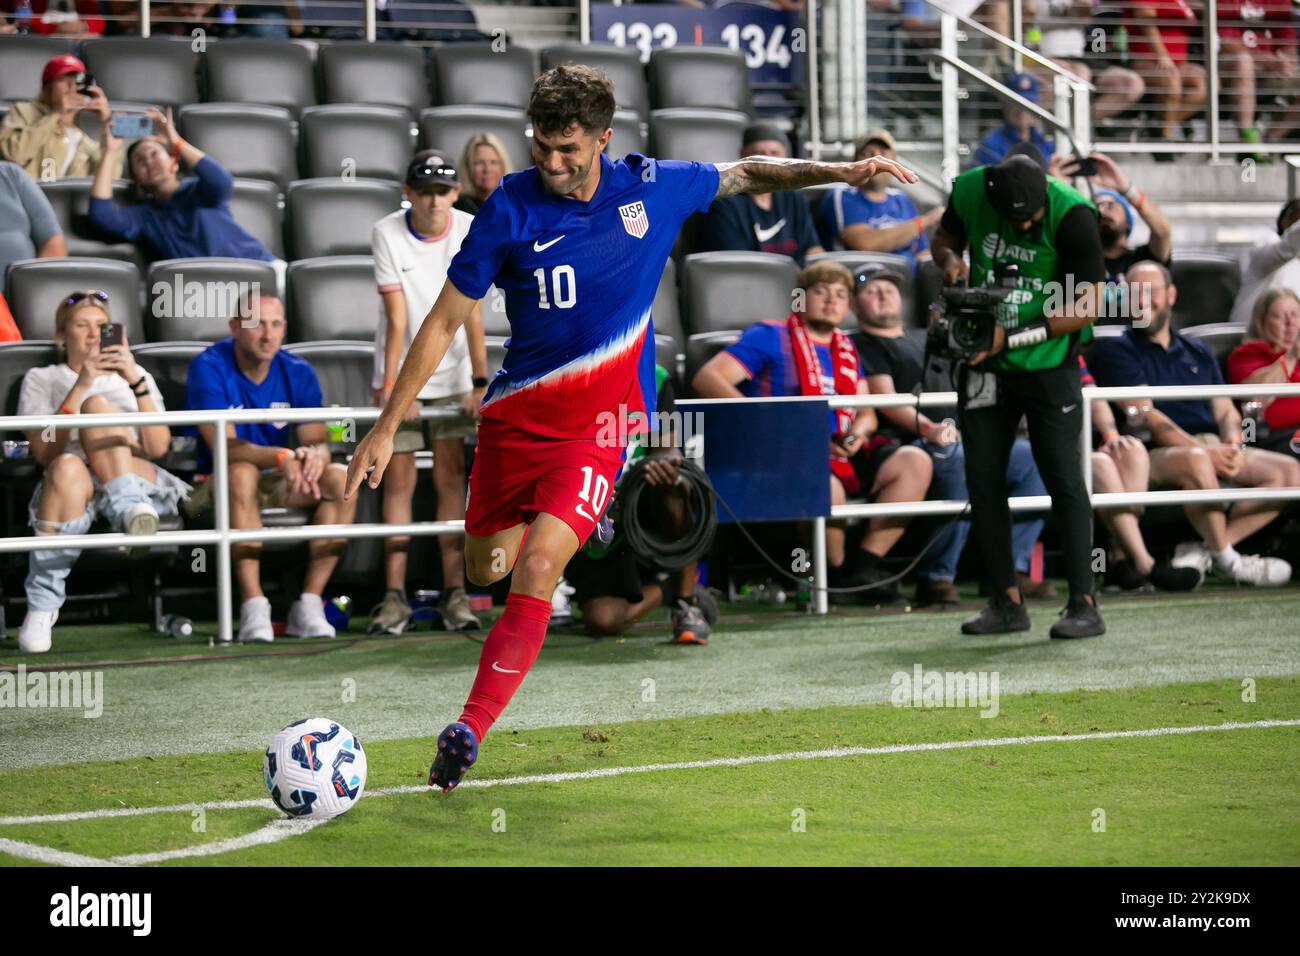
(1016, 188)
(430, 167)
(61, 65)
(1025, 85)
(874, 271)
(759, 132)
(1117, 198)
(878, 135)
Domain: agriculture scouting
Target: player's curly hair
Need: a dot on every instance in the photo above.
(569, 94)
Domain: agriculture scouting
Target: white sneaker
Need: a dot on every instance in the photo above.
(307, 618)
(1257, 570)
(561, 608)
(255, 621)
(141, 519)
(1192, 554)
(34, 635)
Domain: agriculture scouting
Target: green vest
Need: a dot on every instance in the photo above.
(993, 240)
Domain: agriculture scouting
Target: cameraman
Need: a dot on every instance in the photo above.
(1012, 213)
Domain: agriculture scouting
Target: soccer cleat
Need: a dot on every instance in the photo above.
(1257, 570)
(34, 636)
(392, 615)
(605, 528)
(689, 624)
(455, 611)
(457, 751)
(307, 618)
(708, 605)
(255, 621)
(1001, 616)
(1079, 619)
(561, 606)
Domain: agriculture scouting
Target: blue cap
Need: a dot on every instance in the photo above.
(1025, 85)
(1111, 194)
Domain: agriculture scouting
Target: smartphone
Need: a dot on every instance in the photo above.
(110, 334)
(87, 81)
(131, 125)
(1087, 167)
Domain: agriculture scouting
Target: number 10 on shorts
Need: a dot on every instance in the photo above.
(594, 496)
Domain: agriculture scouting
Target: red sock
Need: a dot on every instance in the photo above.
(508, 653)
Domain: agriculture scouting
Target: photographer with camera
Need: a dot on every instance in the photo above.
(1017, 349)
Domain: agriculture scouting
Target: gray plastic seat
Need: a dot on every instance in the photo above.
(21, 60)
(365, 141)
(250, 141)
(16, 360)
(629, 135)
(699, 77)
(1208, 284)
(257, 207)
(381, 74)
(449, 128)
(35, 287)
(665, 313)
(473, 74)
(328, 217)
(169, 364)
(155, 70)
(270, 72)
(621, 64)
(726, 291)
(701, 348)
(344, 368)
(70, 199)
(333, 297)
(703, 135)
(496, 353)
(194, 299)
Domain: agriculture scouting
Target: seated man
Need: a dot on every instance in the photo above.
(29, 228)
(107, 472)
(777, 222)
(42, 135)
(267, 470)
(1198, 442)
(877, 217)
(770, 359)
(1018, 126)
(894, 362)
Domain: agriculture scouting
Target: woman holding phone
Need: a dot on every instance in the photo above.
(89, 472)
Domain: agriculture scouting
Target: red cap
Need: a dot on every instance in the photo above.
(61, 65)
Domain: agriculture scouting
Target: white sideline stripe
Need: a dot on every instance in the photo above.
(45, 854)
(273, 832)
(658, 767)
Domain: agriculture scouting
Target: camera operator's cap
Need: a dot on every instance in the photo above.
(61, 65)
(878, 135)
(872, 272)
(431, 168)
(1025, 85)
(1016, 188)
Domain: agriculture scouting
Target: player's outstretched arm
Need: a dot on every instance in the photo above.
(766, 174)
(428, 347)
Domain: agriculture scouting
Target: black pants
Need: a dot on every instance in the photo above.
(1052, 402)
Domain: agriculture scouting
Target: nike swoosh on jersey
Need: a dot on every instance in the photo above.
(766, 234)
(542, 247)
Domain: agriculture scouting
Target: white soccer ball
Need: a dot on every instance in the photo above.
(315, 768)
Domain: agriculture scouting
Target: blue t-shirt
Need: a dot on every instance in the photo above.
(767, 355)
(1133, 359)
(215, 381)
(579, 279)
(993, 148)
(737, 222)
(847, 207)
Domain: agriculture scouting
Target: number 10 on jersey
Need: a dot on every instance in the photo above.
(564, 288)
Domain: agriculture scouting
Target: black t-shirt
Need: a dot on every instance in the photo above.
(903, 359)
(1117, 267)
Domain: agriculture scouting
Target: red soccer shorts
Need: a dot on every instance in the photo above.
(517, 474)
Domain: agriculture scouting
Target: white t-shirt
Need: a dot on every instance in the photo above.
(418, 268)
(44, 390)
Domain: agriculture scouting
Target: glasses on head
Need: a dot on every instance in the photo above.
(99, 295)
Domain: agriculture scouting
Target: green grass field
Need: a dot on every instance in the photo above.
(776, 744)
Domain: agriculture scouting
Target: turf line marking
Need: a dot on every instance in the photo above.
(273, 832)
(45, 854)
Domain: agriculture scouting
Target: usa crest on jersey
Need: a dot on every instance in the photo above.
(635, 220)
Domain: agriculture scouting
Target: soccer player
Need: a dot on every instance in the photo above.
(576, 243)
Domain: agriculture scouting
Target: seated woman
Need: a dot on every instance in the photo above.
(482, 164)
(89, 472)
(1271, 354)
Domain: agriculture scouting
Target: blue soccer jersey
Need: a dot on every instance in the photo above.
(579, 279)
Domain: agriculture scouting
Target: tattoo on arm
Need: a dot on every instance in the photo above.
(765, 174)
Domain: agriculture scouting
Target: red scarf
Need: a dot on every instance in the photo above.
(807, 368)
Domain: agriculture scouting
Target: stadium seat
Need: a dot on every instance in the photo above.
(706, 136)
(257, 207)
(898, 265)
(364, 141)
(333, 297)
(380, 74)
(16, 360)
(449, 128)
(670, 355)
(250, 141)
(699, 77)
(21, 60)
(1208, 284)
(1220, 338)
(194, 299)
(629, 135)
(169, 364)
(621, 64)
(495, 320)
(70, 199)
(665, 314)
(328, 217)
(270, 72)
(496, 353)
(701, 348)
(154, 70)
(345, 370)
(475, 74)
(35, 287)
(730, 291)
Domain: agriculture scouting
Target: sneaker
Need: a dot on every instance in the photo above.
(456, 615)
(707, 603)
(1192, 554)
(1079, 619)
(141, 519)
(1124, 576)
(307, 618)
(857, 571)
(392, 615)
(34, 636)
(605, 528)
(1257, 570)
(457, 751)
(561, 607)
(1166, 577)
(689, 625)
(1031, 590)
(1001, 616)
(930, 591)
(255, 621)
